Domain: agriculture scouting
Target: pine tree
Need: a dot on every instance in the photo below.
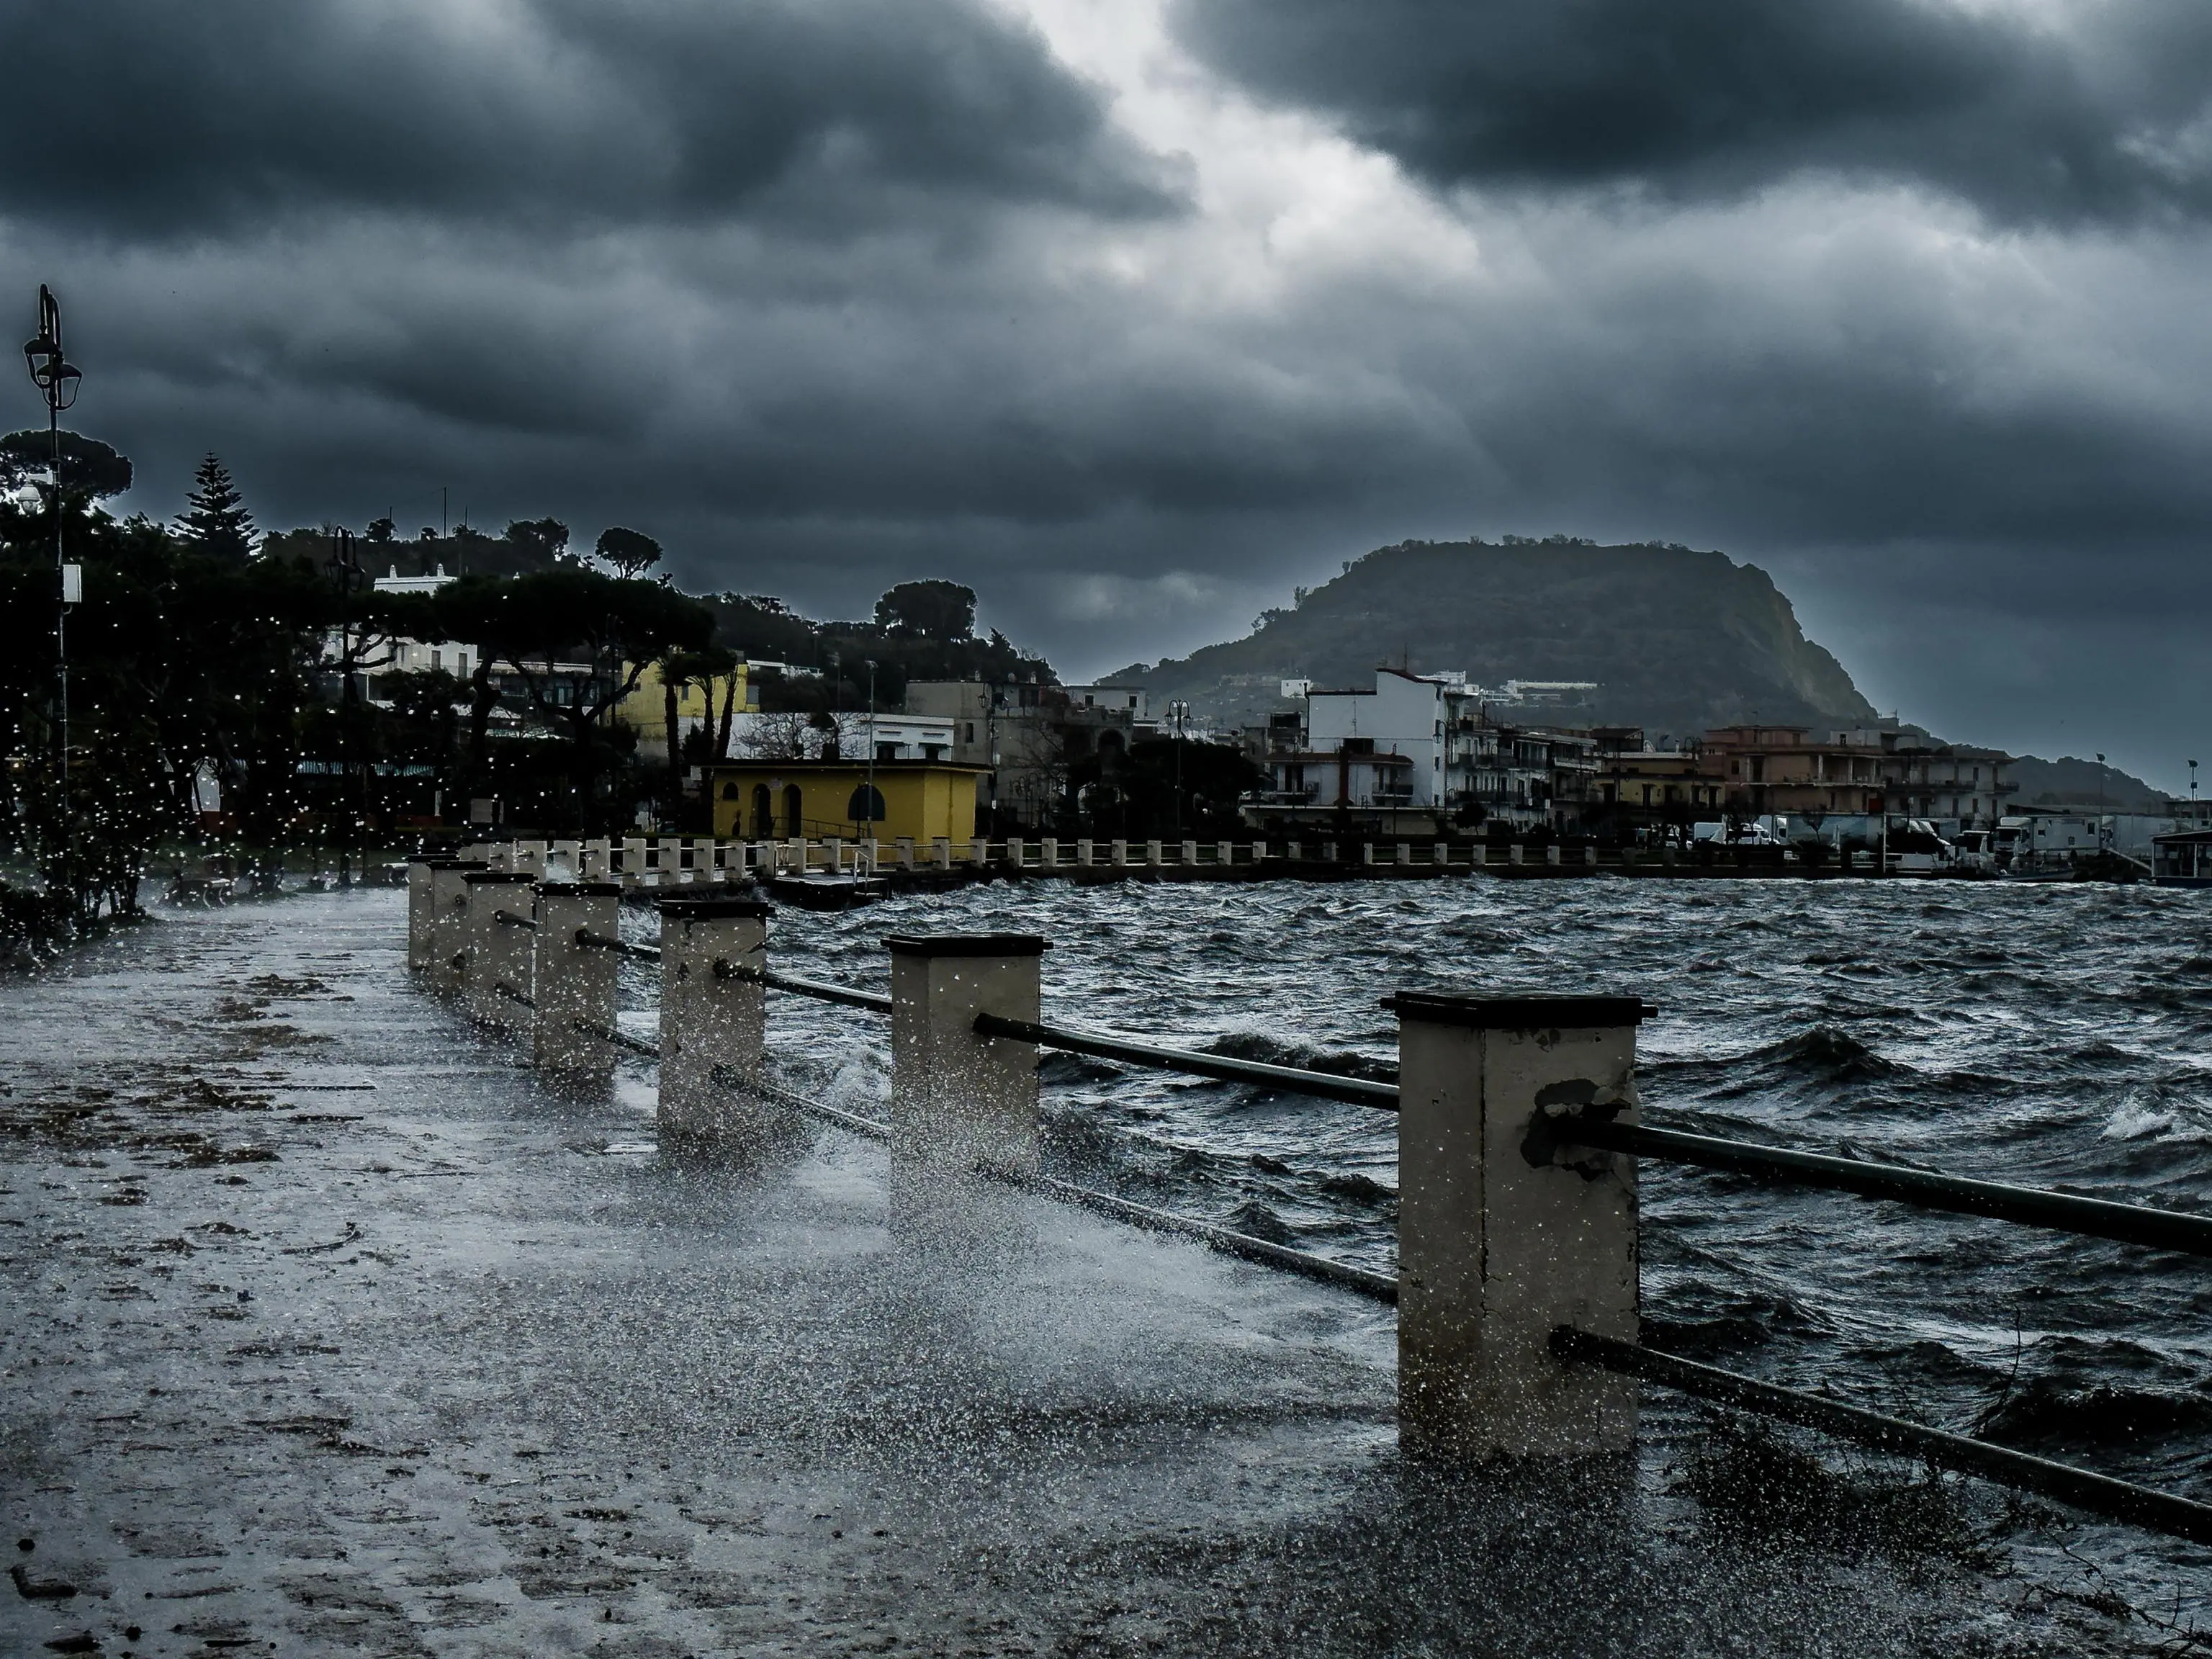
(215, 520)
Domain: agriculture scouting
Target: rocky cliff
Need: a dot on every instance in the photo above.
(1678, 640)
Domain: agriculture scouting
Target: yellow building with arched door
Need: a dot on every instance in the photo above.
(823, 799)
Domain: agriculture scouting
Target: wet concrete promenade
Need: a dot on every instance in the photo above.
(328, 1330)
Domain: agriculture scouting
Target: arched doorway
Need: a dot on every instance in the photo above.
(794, 819)
(763, 813)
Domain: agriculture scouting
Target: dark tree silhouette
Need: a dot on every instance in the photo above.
(215, 520)
(539, 541)
(381, 531)
(631, 552)
(91, 470)
(928, 610)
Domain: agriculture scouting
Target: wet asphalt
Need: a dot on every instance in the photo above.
(328, 1329)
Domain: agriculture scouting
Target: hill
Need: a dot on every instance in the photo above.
(2086, 785)
(1678, 640)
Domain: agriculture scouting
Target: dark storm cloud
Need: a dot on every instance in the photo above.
(2044, 114)
(151, 117)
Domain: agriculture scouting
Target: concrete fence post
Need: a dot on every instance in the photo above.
(958, 1099)
(530, 859)
(568, 854)
(1048, 852)
(905, 846)
(422, 910)
(1506, 1231)
(499, 954)
(1187, 854)
(1551, 853)
(1017, 853)
(449, 914)
(1513, 854)
(1225, 852)
(572, 981)
(1152, 859)
(1117, 853)
(1440, 856)
(1294, 851)
(710, 1018)
(1405, 851)
(1478, 856)
(979, 854)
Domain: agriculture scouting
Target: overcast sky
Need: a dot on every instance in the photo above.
(1136, 315)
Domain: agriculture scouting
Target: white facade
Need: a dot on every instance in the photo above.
(1132, 700)
(1404, 714)
(396, 583)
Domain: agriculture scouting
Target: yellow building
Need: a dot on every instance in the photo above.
(698, 703)
(780, 800)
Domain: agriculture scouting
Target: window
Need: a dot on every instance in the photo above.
(932, 751)
(794, 818)
(763, 813)
(887, 751)
(967, 732)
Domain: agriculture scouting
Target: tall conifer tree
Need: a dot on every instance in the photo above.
(215, 518)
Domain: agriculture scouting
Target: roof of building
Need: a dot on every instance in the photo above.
(843, 763)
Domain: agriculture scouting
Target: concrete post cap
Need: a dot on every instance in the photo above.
(473, 877)
(966, 944)
(1483, 1013)
(725, 908)
(579, 889)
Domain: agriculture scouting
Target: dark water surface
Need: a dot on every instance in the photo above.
(325, 1327)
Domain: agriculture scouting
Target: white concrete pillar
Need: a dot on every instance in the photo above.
(632, 860)
(1117, 853)
(1551, 853)
(1188, 853)
(500, 856)
(565, 856)
(1017, 854)
(940, 853)
(710, 1018)
(1048, 852)
(1504, 1232)
(1404, 851)
(499, 953)
(1225, 852)
(572, 982)
(1440, 855)
(1152, 859)
(1083, 853)
(1329, 851)
(1295, 851)
(449, 911)
(1513, 854)
(979, 854)
(1367, 852)
(905, 845)
(958, 1099)
(530, 859)
(1478, 855)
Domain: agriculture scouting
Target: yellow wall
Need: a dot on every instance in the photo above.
(922, 801)
(644, 711)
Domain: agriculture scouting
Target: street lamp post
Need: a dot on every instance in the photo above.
(57, 378)
(1179, 712)
(346, 572)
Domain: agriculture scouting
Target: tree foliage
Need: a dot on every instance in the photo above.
(215, 518)
(629, 552)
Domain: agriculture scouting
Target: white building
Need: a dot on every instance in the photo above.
(1404, 715)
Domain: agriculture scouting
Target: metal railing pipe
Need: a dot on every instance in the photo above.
(2032, 1206)
(506, 919)
(874, 1002)
(1356, 1091)
(2099, 1494)
(619, 1039)
(593, 941)
(1383, 1287)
